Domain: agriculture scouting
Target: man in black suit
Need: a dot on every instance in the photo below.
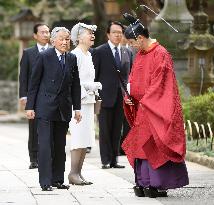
(42, 36)
(111, 60)
(54, 89)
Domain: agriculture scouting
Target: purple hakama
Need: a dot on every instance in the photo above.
(169, 176)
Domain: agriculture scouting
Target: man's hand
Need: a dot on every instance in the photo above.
(78, 116)
(23, 101)
(30, 114)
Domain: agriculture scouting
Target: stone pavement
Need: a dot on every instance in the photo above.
(19, 185)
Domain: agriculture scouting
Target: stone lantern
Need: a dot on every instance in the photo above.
(24, 22)
(177, 14)
(200, 48)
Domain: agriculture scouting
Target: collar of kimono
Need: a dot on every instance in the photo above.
(150, 48)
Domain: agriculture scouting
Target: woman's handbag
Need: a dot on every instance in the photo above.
(97, 105)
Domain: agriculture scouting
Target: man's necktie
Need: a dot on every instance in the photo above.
(62, 61)
(117, 58)
(42, 49)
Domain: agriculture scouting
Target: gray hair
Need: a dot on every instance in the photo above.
(56, 30)
(78, 30)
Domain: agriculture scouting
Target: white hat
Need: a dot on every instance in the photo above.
(78, 29)
(90, 27)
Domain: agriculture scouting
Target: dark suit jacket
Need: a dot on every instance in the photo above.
(28, 60)
(106, 72)
(52, 89)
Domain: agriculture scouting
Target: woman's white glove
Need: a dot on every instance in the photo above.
(93, 86)
(98, 86)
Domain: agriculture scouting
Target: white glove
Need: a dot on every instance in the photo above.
(93, 86)
(98, 86)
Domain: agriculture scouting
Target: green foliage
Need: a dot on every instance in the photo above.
(181, 89)
(9, 60)
(9, 47)
(11, 4)
(186, 110)
(7, 4)
(31, 2)
(184, 101)
(203, 147)
(6, 32)
(201, 108)
(121, 1)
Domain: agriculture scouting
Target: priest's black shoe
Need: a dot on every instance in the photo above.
(47, 188)
(105, 166)
(152, 192)
(116, 166)
(33, 165)
(59, 185)
(139, 191)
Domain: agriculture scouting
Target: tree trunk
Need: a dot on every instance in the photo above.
(100, 20)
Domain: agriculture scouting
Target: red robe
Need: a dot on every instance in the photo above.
(157, 128)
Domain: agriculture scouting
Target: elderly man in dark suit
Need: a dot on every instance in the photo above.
(54, 89)
(112, 64)
(42, 36)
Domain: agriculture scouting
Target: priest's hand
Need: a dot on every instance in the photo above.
(30, 114)
(128, 101)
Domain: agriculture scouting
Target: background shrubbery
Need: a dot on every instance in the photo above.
(8, 59)
(199, 109)
(202, 146)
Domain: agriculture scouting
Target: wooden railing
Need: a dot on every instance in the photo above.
(195, 131)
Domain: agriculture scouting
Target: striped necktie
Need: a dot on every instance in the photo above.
(117, 58)
(42, 49)
(62, 61)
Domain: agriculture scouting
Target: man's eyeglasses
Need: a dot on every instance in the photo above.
(117, 32)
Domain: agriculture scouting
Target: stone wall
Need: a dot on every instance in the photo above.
(8, 96)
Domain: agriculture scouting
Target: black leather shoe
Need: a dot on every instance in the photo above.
(117, 166)
(33, 165)
(47, 188)
(106, 166)
(59, 185)
(139, 191)
(153, 193)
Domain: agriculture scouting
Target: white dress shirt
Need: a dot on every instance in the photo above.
(59, 54)
(112, 46)
(39, 46)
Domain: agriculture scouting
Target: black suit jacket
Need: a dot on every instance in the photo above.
(27, 62)
(106, 72)
(53, 89)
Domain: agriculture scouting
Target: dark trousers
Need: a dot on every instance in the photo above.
(110, 125)
(33, 140)
(51, 153)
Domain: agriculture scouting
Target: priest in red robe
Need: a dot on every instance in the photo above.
(155, 145)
